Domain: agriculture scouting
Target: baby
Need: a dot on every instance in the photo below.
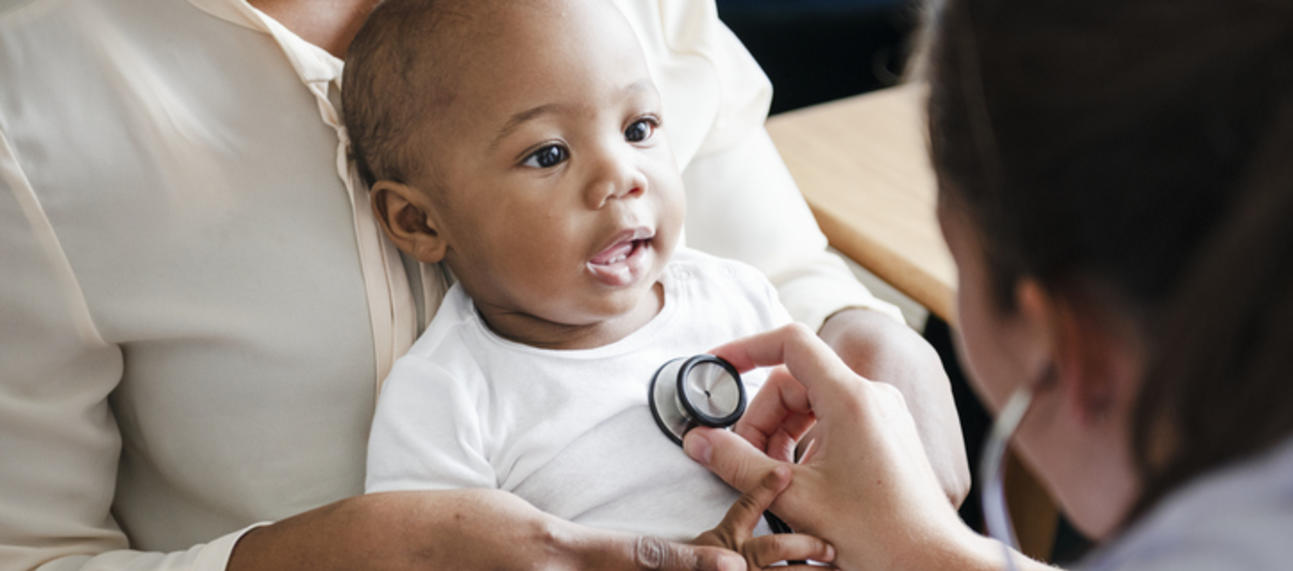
(522, 143)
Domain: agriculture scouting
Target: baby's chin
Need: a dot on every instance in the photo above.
(592, 321)
(645, 296)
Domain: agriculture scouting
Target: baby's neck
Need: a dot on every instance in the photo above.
(535, 331)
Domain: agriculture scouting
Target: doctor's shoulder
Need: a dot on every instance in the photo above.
(1239, 517)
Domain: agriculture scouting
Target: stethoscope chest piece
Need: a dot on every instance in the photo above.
(696, 391)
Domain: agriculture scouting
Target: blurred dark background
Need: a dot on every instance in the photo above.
(820, 50)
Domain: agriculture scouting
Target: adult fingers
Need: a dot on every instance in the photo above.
(809, 360)
(656, 554)
(778, 415)
(782, 445)
(765, 550)
(729, 456)
(624, 552)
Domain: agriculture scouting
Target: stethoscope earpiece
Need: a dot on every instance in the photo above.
(687, 392)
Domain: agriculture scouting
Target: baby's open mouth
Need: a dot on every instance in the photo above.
(624, 260)
(619, 252)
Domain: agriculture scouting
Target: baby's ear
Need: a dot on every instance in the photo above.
(407, 216)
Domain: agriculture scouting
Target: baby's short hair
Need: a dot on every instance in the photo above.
(393, 78)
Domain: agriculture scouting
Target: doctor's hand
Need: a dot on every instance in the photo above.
(879, 348)
(737, 527)
(866, 485)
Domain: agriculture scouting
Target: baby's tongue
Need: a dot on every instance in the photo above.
(619, 250)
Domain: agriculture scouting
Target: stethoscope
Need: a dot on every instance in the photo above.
(703, 390)
(995, 515)
(695, 391)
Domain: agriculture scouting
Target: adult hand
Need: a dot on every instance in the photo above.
(737, 528)
(866, 486)
(881, 349)
(457, 529)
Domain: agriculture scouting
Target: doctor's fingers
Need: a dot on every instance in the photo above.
(730, 457)
(778, 416)
(826, 379)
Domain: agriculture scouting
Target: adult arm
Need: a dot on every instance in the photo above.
(58, 437)
(878, 348)
(455, 529)
(867, 486)
(742, 203)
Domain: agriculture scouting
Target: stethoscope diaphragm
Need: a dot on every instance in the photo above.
(700, 391)
(687, 392)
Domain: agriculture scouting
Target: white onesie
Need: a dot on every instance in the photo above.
(569, 431)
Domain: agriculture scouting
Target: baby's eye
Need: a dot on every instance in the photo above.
(547, 157)
(640, 130)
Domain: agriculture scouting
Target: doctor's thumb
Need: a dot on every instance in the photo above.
(728, 456)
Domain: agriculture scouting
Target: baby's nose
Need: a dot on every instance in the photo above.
(620, 180)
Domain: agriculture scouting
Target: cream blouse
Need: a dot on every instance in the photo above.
(196, 306)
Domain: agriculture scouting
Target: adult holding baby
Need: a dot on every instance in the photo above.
(1114, 189)
(198, 308)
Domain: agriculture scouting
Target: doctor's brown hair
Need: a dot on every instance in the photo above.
(1138, 147)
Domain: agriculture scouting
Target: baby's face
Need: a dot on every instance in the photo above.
(560, 198)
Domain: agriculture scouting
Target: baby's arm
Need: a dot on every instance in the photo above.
(426, 433)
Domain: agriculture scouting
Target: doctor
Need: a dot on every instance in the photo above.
(1115, 190)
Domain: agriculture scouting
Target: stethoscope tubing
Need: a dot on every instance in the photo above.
(996, 515)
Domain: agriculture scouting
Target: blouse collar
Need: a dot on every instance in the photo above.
(312, 63)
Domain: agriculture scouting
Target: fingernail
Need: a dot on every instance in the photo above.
(698, 447)
(830, 554)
